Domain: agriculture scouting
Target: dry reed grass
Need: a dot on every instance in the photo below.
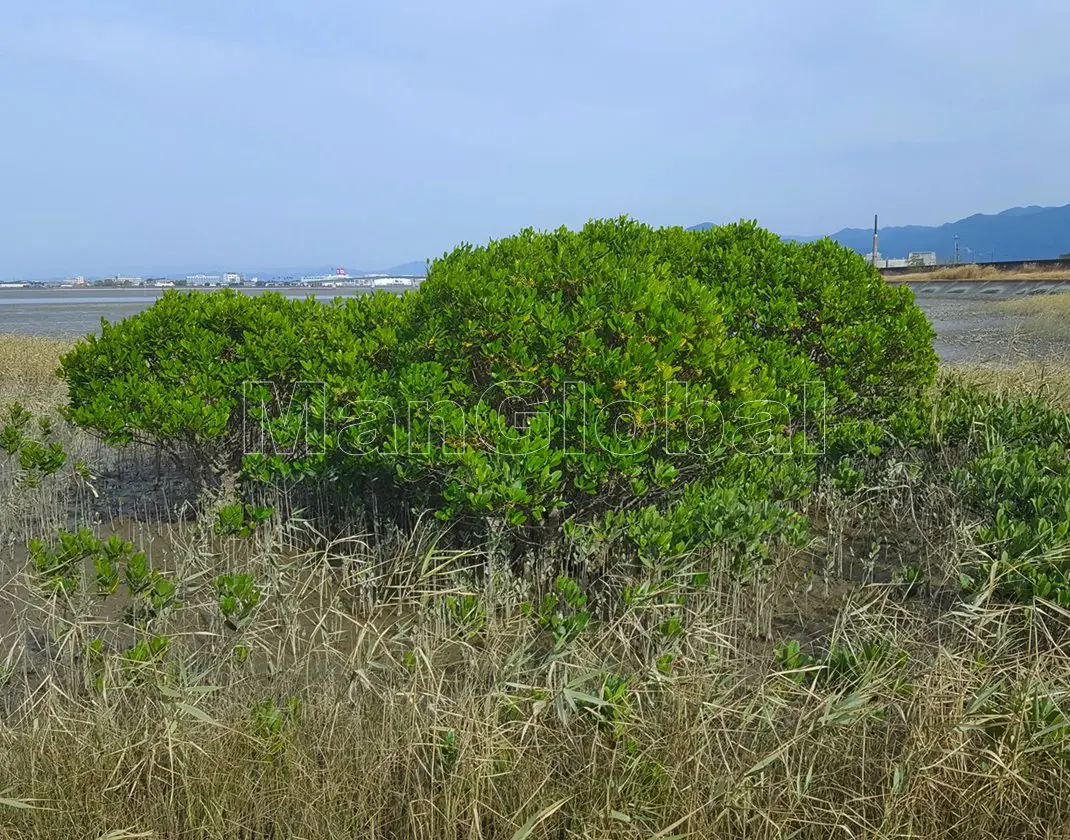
(1029, 271)
(1049, 379)
(1044, 315)
(28, 369)
(417, 719)
(1056, 306)
(413, 724)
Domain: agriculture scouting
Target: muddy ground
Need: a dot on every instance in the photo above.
(977, 332)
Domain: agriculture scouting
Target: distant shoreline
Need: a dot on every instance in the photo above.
(74, 312)
(147, 289)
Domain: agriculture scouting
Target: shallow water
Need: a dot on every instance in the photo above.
(69, 313)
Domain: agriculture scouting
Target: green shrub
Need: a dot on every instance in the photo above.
(683, 377)
(239, 596)
(166, 376)
(240, 520)
(564, 612)
(1008, 462)
(38, 457)
(270, 722)
(60, 566)
(690, 348)
(841, 665)
(58, 563)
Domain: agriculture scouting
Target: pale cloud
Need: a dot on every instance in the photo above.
(378, 133)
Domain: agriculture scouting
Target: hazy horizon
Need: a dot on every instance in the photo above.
(254, 135)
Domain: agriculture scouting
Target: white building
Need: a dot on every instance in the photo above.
(922, 258)
(882, 262)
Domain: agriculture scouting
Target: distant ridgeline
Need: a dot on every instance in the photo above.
(1022, 233)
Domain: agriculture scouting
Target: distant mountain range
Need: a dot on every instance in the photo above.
(416, 269)
(1021, 233)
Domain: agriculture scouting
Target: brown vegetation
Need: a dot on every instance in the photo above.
(1049, 379)
(1029, 271)
(28, 367)
(385, 687)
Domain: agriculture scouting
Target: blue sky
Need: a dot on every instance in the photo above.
(148, 136)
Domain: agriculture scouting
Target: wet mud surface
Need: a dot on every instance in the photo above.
(976, 332)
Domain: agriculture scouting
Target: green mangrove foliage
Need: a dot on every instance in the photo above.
(65, 564)
(667, 387)
(239, 596)
(33, 447)
(1006, 460)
